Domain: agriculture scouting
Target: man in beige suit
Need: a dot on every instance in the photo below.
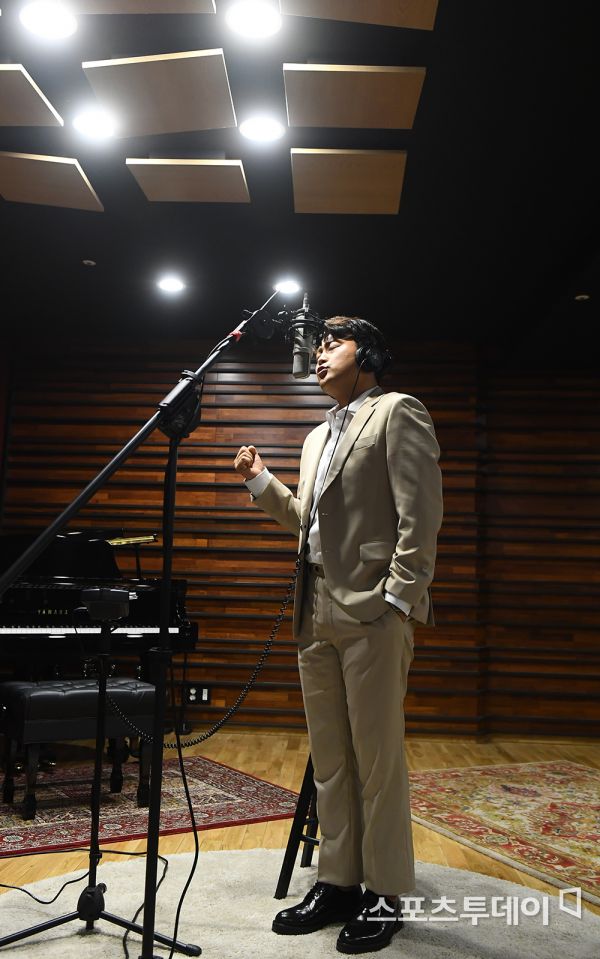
(367, 514)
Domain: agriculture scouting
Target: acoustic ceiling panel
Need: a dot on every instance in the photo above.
(191, 181)
(50, 181)
(418, 14)
(347, 181)
(332, 95)
(143, 6)
(22, 103)
(170, 93)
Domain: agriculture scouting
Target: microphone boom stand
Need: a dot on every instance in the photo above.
(177, 415)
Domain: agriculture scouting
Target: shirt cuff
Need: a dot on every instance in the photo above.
(393, 600)
(259, 483)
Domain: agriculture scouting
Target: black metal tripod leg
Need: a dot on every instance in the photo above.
(189, 950)
(34, 930)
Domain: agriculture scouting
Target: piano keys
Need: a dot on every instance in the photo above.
(42, 623)
(56, 632)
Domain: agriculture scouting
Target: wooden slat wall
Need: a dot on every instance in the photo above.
(540, 489)
(518, 479)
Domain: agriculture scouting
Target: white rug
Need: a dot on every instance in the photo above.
(230, 906)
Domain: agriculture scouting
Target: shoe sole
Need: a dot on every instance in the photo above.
(282, 929)
(357, 950)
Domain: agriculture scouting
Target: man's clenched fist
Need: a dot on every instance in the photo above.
(248, 462)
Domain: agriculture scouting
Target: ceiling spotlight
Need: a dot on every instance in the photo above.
(95, 124)
(582, 297)
(264, 129)
(48, 19)
(254, 18)
(287, 286)
(170, 284)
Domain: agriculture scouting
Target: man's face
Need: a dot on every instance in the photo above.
(335, 364)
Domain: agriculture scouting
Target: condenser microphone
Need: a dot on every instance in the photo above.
(304, 342)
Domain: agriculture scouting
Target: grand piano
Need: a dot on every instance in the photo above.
(43, 631)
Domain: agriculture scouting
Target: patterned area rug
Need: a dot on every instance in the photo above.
(221, 797)
(543, 818)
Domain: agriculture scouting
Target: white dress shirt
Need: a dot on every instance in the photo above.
(339, 420)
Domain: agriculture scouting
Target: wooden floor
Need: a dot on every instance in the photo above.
(280, 757)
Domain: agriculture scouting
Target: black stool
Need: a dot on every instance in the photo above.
(65, 709)
(305, 818)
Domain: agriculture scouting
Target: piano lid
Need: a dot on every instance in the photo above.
(85, 553)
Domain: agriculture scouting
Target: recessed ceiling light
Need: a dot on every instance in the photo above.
(171, 284)
(95, 124)
(582, 297)
(89, 262)
(262, 128)
(254, 18)
(287, 286)
(48, 19)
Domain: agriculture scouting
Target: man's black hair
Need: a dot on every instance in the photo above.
(363, 333)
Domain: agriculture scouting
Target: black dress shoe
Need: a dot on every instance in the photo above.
(373, 926)
(322, 906)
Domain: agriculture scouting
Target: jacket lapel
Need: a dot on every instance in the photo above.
(357, 424)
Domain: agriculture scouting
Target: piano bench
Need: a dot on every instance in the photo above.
(65, 710)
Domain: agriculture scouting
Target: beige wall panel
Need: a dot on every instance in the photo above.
(331, 95)
(168, 93)
(418, 14)
(347, 181)
(143, 6)
(191, 181)
(50, 181)
(22, 103)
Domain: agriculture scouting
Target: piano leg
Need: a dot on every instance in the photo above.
(32, 757)
(118, 752)
(10, 752)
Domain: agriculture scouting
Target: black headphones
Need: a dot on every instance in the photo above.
(373, 359)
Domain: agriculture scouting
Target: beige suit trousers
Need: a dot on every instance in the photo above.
(354, 679)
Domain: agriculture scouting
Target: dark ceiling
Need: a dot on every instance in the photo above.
(498, 224)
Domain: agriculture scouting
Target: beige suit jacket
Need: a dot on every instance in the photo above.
(380, 509)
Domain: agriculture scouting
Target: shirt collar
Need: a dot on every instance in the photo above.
(335, 411)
